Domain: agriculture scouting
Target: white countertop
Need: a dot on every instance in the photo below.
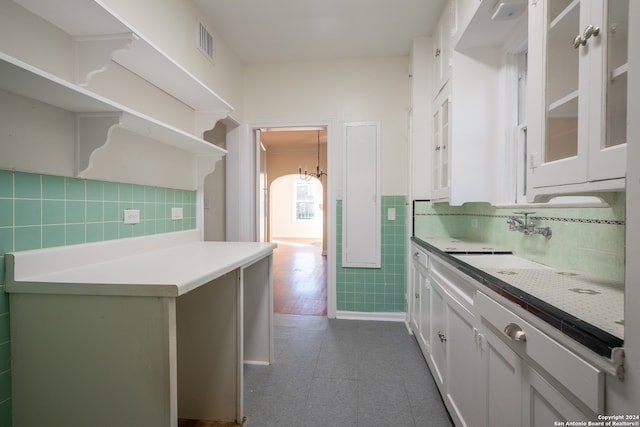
(157, 266)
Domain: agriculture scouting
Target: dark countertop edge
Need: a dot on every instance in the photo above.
(592, 337)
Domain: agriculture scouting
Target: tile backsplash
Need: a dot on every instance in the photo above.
(40, 211)
(375, 289)
(587, 239)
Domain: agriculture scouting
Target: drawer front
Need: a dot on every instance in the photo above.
(585, 381)
(420, 257)
(459, 285)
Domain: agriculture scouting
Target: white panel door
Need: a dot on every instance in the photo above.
(361, 198)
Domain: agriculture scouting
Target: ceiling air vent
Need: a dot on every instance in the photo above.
(205, 41)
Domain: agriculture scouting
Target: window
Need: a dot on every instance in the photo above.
(305, 200)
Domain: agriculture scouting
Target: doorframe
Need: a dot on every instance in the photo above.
(329, 203)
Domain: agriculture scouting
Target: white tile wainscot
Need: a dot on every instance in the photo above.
(138, 331)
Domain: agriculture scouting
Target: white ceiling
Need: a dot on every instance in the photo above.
(275, 31)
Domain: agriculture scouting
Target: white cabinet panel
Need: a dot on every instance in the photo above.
(361, 200)
(463, 364)
(502, 382)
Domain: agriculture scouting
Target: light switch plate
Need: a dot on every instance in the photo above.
(176, 213)
(391, 214)
(131, 216)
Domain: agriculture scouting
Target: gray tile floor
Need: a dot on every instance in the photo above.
(342, 373)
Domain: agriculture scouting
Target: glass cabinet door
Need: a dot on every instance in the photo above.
(608, 134)
(617, 67)
(562, 80)
(577, 95)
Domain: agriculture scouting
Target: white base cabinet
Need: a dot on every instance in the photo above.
(501, 379)
(485, 377)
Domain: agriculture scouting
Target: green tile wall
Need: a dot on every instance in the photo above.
(40, 211)
(376, 289)
(591, 240)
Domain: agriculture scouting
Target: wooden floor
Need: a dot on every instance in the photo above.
(299, 277)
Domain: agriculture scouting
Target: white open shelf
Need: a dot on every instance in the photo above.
(94, 36)
(96, 115)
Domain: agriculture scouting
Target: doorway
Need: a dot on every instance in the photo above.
(296, 218)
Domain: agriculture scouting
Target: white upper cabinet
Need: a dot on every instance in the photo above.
(577, 96)
(440, 152)
(442, 48)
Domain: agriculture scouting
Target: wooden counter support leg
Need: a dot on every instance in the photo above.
(209, 354)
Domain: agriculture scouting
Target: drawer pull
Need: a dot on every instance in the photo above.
(442, 337)
(515, 332)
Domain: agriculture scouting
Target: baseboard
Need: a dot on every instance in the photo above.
(381, 316)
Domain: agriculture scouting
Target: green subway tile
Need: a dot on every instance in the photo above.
(137, 192)
(28, 212)
(5, 356)
(52, 187)
(149, 227)
(5, 332)
(139, 206)
(27, 186)
(149, 211)
(150, 194)
(75, 234)
(125, 192)
(161, 195)
(125, 230)
(111, 211)
(5, 413)
(53, 212)
(75, 189)
(53, 235)
(6, 212)
(4, 296)
(75, 212)
(138, 230)
(95, 190)
(2, 301)
(6, 240)
(171, 195)
(94, 232)
(95, 211)
(6, 183)
(110, 190)
(110, 230)
(28, 238)
(5, 385)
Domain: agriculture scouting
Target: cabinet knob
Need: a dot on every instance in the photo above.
(589, 31)
(442, 337)
(437, 52)
(417, 295)
(515, 332)
(437, 148)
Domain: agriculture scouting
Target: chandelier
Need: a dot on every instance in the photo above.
(306, 176)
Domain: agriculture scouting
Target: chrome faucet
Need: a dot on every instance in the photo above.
(527, 226)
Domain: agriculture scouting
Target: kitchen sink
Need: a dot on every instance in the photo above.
(500, 261)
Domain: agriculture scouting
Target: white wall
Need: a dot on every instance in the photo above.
(346, 90)
(282, 210)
